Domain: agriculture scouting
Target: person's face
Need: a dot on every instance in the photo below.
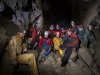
(51, 28)
(72, 23)
(37, 25)
(63, 31)
(45, 35)
(57, 27)
(69, 32)
(21, 35)
(57, 35)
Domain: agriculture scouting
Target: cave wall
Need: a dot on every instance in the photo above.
(24, 12)
(21, 12)
(10, 27)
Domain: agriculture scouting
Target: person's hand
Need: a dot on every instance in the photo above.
(25, 50)
(14, 63)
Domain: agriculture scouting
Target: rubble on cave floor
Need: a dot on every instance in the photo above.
(52, 67)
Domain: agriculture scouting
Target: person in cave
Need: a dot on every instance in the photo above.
(51, 31)
(63, 35)
(74, 27)
(45, 45)
(58, 43)
(57, 30)
(16, 49)
(35, 34)
(72, 42)
(83, 35)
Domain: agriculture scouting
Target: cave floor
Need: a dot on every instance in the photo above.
(51, 67)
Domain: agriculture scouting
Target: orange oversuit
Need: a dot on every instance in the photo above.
(14, 50)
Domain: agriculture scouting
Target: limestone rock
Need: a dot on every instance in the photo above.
(2, 30)
(86, 55)
(92, 51)
(73, 55)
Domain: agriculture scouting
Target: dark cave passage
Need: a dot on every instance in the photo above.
(63, 12)
(57, 12)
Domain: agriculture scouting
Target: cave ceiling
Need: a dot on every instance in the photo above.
(24, 12)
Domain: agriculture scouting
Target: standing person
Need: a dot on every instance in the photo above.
(58, 43)
(16, 49)
(35, 32)
(83, 35)
(72, 42)
(51, 31)
(45, 45)
(74, 27)
(57, 30)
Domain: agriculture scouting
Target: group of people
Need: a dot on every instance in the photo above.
(64, 41)
(59, 39)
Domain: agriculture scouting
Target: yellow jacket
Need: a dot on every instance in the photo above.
(57, 41)
(15, 47)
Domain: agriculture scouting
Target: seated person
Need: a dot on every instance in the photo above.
(45, 44)
(72, 42)
(58, 43)
(16, 49)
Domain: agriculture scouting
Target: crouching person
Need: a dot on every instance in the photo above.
(16, 49)
(72, 42)
(45, 45)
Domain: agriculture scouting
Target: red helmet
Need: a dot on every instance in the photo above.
(57, 33)
(68, 30)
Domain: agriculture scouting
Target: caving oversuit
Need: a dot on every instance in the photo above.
(14, 50)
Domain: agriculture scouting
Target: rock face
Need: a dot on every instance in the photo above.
(86, 55)
(21, 12)
(3, 40)
(52, 67)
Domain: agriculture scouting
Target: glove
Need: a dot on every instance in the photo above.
(25, 50)
(14, 63)
(64, 39)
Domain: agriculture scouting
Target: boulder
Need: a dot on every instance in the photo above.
(93, 51)
(73, 55)
(2, 30)
(51, 66)
(86, 56)
(3, 40)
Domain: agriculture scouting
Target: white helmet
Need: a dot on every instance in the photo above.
(46, 33)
